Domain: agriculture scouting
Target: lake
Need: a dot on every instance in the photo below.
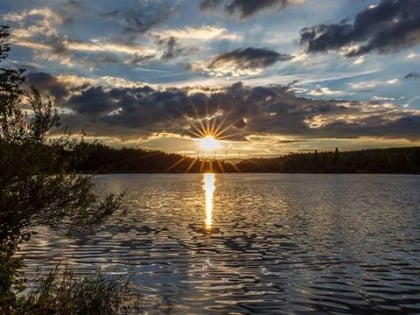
(254, 243)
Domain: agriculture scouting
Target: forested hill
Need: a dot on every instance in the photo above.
(397, 160)
(97, 158)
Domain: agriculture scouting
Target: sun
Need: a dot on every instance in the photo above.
(209, 143)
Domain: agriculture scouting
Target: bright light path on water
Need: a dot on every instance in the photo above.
(209, 187)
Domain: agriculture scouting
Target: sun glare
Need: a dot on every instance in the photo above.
(209, 143)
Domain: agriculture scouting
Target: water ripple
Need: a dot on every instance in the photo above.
(277, 244)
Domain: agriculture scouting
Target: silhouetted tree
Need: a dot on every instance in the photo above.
(35, 187)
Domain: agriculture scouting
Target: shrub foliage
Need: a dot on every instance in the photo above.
(36, 187)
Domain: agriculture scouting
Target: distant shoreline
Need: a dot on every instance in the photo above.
(94, 158)
(240, 173)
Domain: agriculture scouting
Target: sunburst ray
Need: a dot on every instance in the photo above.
(176, 164)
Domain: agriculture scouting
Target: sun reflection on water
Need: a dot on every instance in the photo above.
(209, 186)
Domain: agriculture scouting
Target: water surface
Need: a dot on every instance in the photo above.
(255, 243)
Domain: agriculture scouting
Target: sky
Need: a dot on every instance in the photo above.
(265, 77)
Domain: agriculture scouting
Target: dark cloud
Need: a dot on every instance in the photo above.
(134, 111)
(412, 75)
(58, 45)
(388, 27)
(209, 4)
(171, 50)
(143, 19)
(138, 59)
(53, 86)
(172, 47)
(245, 8)
(106, 59)
(248, 58)
(47, 82)
(71, 9)
(99, 102)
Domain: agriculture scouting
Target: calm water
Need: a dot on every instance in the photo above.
(255, 244)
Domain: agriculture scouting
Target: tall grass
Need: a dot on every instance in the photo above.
(61, 293)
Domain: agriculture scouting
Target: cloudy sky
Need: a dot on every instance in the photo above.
(266, 76)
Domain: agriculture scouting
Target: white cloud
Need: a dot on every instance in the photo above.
(325, 91)
(101, 45)
(203, 33)
(359, 60)
(227, 70)
(43, 21)
(412, 55)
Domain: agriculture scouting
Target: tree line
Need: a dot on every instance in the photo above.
(387, 161)
(97, 158)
